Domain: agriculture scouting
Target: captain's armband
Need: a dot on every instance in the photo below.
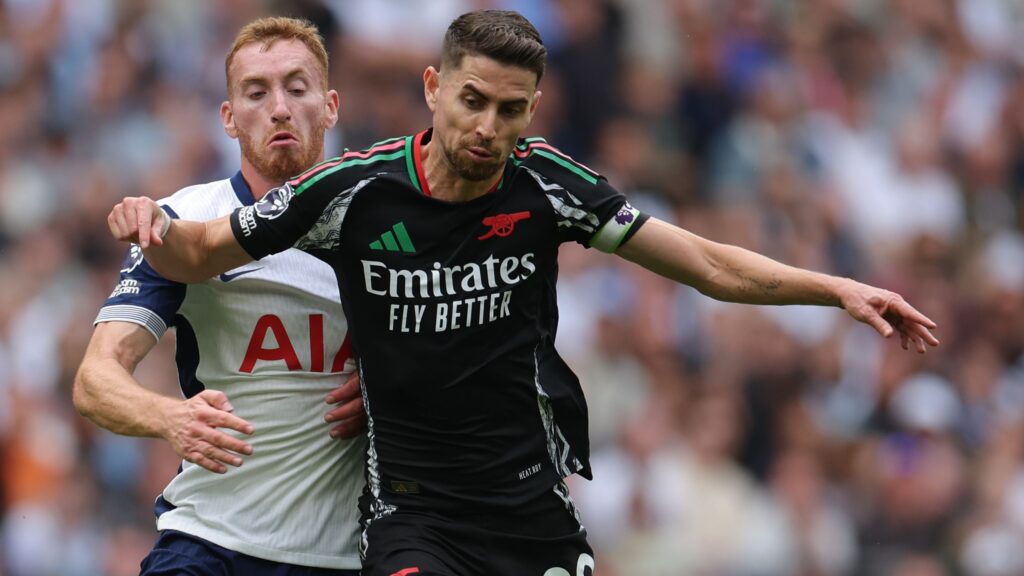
(610, 236)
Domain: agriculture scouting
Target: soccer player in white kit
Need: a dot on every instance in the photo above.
(259, 348)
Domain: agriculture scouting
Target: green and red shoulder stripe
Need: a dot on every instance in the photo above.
(390, 149)
(539, 147)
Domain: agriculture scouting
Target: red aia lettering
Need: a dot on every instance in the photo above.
(344, 353)
(316, 342)
(286, 351)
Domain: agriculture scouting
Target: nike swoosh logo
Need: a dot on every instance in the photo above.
(225, 277)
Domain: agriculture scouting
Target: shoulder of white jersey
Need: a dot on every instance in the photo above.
(543, 158)
(202, 202)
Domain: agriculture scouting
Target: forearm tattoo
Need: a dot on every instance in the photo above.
(757, 286)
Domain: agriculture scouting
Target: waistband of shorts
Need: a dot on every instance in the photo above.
(546, 515)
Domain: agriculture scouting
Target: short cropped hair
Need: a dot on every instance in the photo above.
(268, 30)
(502, 35)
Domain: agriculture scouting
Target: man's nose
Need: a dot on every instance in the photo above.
(280, 112)
(487, 128)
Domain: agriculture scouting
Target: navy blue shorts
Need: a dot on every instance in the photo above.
(180, 554)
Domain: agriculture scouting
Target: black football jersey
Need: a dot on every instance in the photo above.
(452, 314)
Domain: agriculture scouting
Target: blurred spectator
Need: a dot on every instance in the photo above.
(590, 65)
(825, 535)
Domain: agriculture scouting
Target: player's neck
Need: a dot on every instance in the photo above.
(445, 184)
(259, 185)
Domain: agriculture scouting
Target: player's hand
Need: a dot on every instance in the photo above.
(192, 429)
(139, 220)
(888, 313)
(350, 414)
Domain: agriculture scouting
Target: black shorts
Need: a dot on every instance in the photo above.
(548, 541)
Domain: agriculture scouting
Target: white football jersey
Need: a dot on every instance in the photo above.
(273, 337)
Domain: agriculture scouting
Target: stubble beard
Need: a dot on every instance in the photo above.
(281, 164)
(469, 170)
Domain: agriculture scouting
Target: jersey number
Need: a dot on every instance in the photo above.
(286, 351)
(585, 561)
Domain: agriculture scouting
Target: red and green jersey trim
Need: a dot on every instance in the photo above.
(540, 147)
(414, 164)
(386, 150)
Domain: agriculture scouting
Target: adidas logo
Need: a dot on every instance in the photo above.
(394, 240)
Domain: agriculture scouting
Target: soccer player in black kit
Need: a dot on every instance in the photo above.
(445, 246)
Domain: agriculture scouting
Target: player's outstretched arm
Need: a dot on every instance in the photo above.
(733, 274)
(106, 393)
(179, 250)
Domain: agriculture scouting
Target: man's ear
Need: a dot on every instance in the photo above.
(227, 118)
(535, 103)
(333, 104)
(431, 84)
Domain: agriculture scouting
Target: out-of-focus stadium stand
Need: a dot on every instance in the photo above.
(880, 139)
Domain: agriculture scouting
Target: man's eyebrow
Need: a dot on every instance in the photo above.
(476, 92)
(257, 80)
(469, 87)
(262, 80)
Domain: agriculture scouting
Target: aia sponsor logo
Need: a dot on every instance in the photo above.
(284, 346)
(502, 225)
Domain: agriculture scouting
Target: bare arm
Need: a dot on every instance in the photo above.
(188, 251)
(733, 274)
(106, 392)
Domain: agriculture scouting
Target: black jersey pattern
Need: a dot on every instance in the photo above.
(452, 312)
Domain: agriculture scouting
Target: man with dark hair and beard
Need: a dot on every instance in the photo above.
(259, 348)
(445, 245)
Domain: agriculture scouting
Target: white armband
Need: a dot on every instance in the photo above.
(610, 236)
(166, 227)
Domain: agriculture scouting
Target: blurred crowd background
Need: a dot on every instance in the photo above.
(877, 139)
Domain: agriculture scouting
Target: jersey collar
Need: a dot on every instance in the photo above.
(242, 191)
(417, 159)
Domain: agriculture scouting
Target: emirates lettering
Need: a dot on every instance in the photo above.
(440, 281)
(493, 277)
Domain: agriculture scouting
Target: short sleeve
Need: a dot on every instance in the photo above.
(588, 210)
(620, 227)
(142, 296)
(308, 216)
(269, 226)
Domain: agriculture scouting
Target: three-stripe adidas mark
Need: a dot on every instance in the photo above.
(394, 240)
